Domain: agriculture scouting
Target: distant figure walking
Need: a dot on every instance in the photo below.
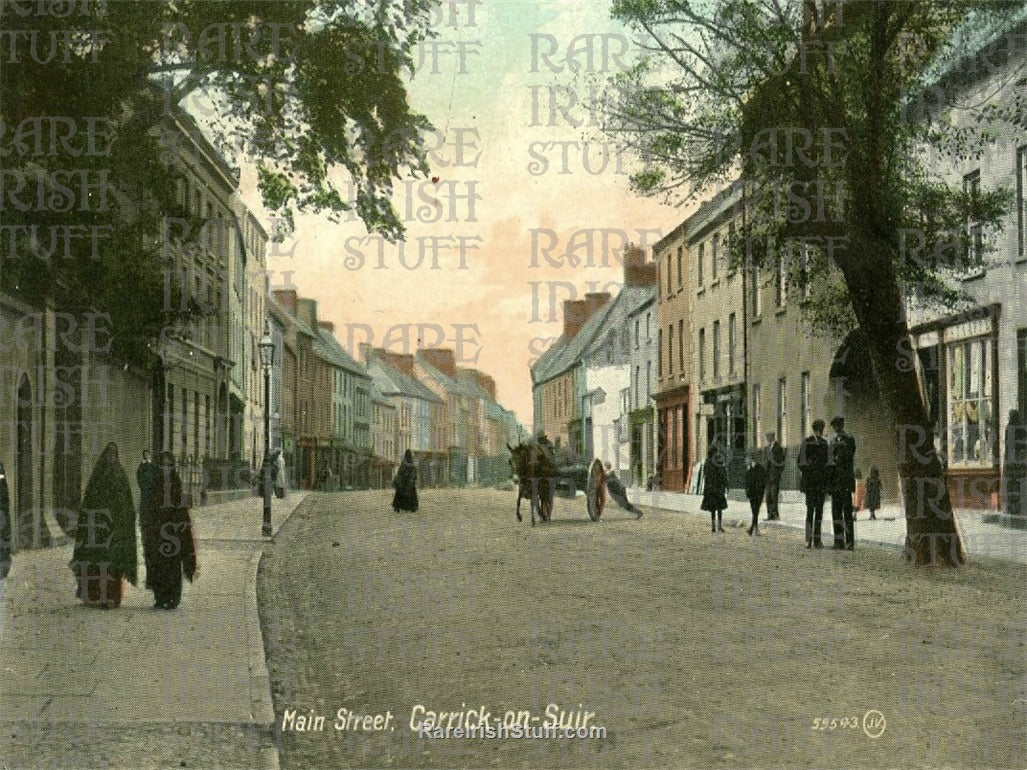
(1014, 467)
(714, 498)
(755, 487)
(873, 494)
(842, 457)
(278, 474)
(168, 539)
(617, 491)
(105, 538)
(405, 485)
(775, 456)
(814, 481)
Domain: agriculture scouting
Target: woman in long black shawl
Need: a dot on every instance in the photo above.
(168, 539)
(105, 538)
(405, 483)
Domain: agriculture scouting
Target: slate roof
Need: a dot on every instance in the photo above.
(492, 408)
(568, 354)
(329, 348)
(394, 382)
(546, 361)
(980, 30)
(378, 396)
(453, 386)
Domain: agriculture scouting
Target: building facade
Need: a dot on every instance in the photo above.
(718, 312)
(973, 357)
(673, 370)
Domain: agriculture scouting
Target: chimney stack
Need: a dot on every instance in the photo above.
(403, 362)
(575, 314)
(287, 299)
(442, 359)
(487, 383)
(595, 301)
(638, 272)
(327, 326)
(307, 309)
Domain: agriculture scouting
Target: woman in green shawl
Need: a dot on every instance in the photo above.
(105, 538)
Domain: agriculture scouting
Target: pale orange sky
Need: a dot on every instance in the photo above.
(492, 289)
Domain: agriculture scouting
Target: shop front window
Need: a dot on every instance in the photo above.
(971, 439)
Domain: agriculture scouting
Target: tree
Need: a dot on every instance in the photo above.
(311, 90)
(815, 105)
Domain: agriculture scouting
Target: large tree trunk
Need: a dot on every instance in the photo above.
(932, 533)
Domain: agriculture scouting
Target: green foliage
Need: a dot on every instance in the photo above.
(724, 83)
(312, 90)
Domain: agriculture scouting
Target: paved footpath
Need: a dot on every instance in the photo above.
(137, 687)
(980, 537)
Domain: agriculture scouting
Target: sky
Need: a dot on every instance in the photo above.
(514, 177)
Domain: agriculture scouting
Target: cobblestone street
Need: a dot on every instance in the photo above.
(691, 648)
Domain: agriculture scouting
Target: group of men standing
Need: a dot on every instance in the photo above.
(828, 468)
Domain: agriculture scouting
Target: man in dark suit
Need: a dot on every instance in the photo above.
(843, 483)
(814, 481)
(774, 456)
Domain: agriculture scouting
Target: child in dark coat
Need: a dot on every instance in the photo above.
(873, 492)
(755, 486)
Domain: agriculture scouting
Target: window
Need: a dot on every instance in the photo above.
(729, 247)
(805, 252)
(637, 325)
(638, 385)
(668, 274)
(782, 411)
(681, 258)
(702, 354)
(210, 226)
(681, 346)
(969, 409)
(974, 255)
(714, 256)
(185, 420)
(699, 264)
(659, 353)
(716, 349)
(648, 321)
(757, 299)
(781, 281)
(757, 415)
(1021, 202)
(670, 350)
(731, 332)
(648, 381)
(804, 404)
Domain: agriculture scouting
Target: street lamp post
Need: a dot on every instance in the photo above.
(267, 359)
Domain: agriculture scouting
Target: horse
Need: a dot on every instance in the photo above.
(535, 468)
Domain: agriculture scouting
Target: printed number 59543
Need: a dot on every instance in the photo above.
(825, 723)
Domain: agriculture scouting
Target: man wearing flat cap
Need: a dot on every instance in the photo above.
(843, 483)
